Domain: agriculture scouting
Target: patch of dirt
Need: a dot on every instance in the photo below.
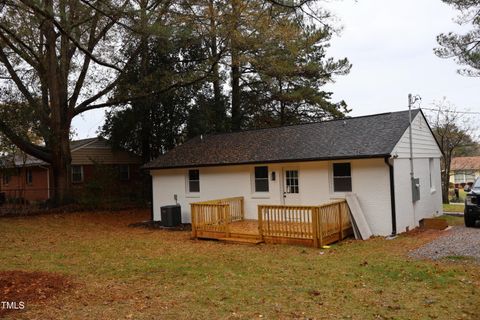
(30, 287)
(425, 233)
(423, 236)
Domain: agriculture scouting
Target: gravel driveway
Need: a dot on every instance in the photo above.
(459, 241)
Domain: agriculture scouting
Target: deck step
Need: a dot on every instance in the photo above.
(241, 240)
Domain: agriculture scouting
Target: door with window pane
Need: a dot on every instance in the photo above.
(291, 186)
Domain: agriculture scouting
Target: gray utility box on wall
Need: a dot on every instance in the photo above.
(415, 189)
(171, 215)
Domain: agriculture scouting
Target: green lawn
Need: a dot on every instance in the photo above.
(453, 220)
(133, 273)
(453, 207)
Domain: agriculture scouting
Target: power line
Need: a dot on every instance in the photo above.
(456, 111)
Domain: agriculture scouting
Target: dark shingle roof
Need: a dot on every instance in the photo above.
(21, 160)
(360, 137)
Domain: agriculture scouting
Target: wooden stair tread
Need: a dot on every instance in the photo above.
(241, 240)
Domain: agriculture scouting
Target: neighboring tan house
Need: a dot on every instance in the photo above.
(308, 165)
(464, 170)
(29, 178)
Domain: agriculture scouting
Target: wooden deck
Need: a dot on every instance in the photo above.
(224, 220)
(243, 229)
(247, 232)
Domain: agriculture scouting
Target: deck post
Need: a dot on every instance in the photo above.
(320, 231)
(226, 216)
(315, 227)
(194, 226)
(340, 213)
(260, 222)
(242, 208)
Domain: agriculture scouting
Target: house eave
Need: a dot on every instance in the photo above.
(267, 162)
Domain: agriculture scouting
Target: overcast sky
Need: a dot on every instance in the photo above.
(390, 44)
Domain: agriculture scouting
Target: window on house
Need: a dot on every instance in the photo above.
(342, 177)
(77, 174)
(459, 177)
(193, 181)
(124, 172)
(469, 176)
(6, 178)
(29, 176)
(291, 179)
(261, 179)
(465, 176)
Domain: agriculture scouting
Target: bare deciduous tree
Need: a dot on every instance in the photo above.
(453, 131)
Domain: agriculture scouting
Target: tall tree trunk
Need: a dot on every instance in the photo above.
(61, 166)
(236, 103)
(143, 105)
(219, 112)
(282, 104)
(235, 71)
(446, 177)
(60, 117)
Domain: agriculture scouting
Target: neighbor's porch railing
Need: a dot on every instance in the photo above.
(215, 216)
(317, 225)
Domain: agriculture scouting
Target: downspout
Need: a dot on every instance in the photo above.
(392, 196)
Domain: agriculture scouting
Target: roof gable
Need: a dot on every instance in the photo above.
(424, 143)
(84, 151)
(360, 137)
(97, 142)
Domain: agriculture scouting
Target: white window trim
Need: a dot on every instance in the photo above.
(189, 194)
(259, 194)
(81, 174)
(336, 194)
(284, 179)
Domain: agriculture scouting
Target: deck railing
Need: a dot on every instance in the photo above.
(215, 216)
(285, 221)
(305, 225)
(319, 225)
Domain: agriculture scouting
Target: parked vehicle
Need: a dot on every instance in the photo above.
(472, 208)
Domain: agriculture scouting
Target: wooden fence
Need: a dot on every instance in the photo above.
(212, 218)
(307, 225)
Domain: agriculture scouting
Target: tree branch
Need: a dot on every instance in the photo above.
(16, 78)
(36, 151)
(69, 36)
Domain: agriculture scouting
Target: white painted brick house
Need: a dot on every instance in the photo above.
(311, 164)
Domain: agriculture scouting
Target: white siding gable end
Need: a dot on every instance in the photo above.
(424, 144)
